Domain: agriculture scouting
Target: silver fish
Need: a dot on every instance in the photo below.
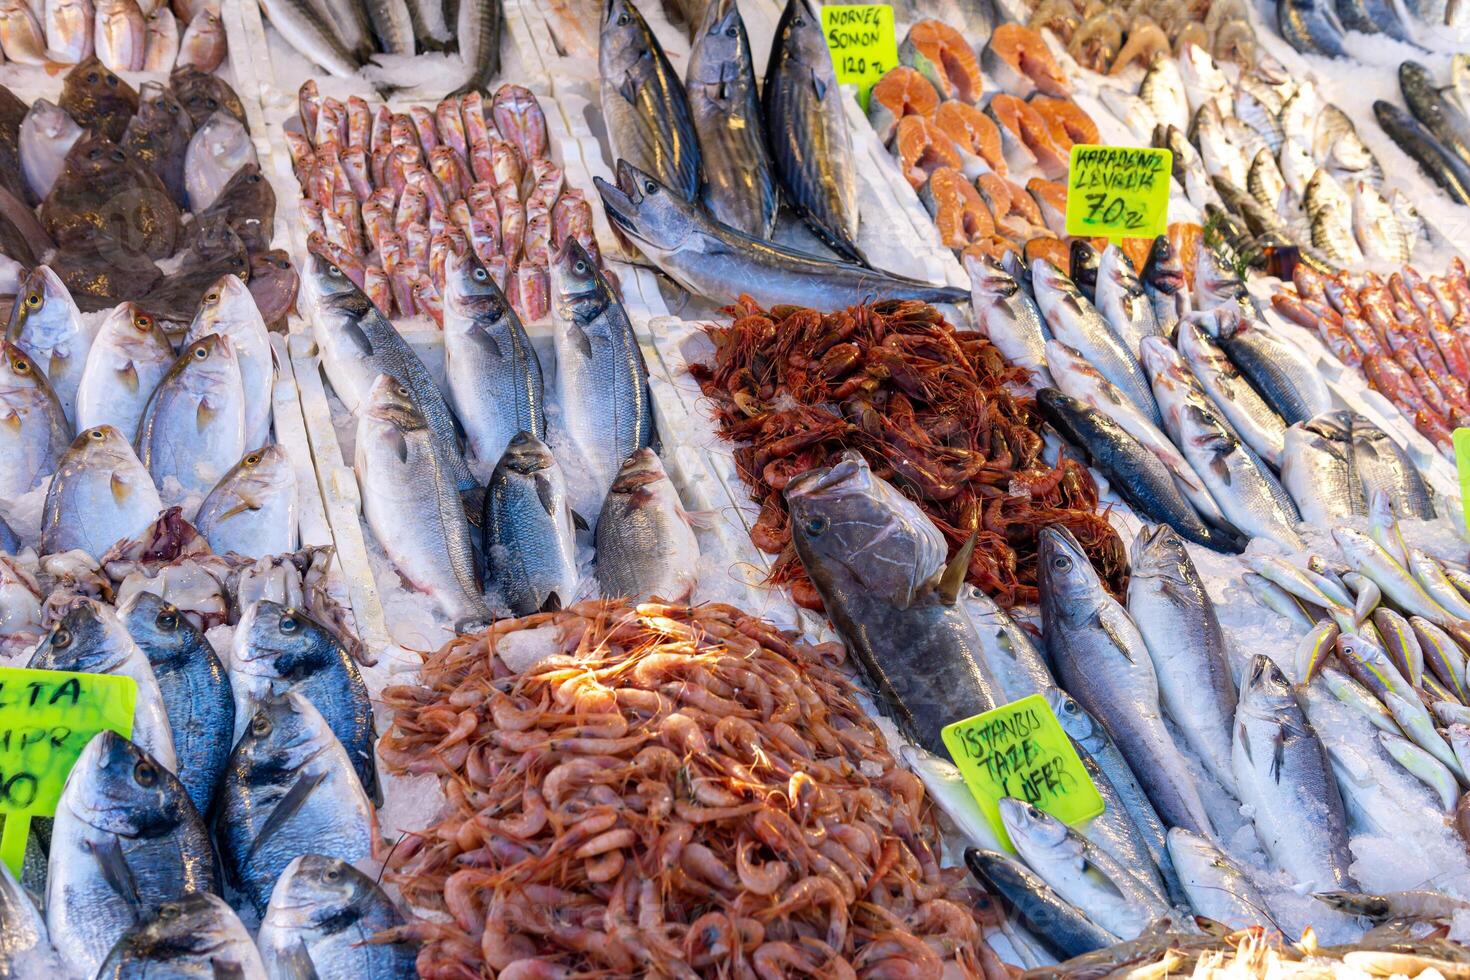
(100, 495)
(126, 361)
(392, 25)
(126, 839)
(1330, 211)
(478, 27)
(193, 429)
(218, 148)
(46, 136)
(304, 28)
(27, 950)
(325, 918)
(1217, 887)
(1285, 378)
(646, 547)
(1259, 106)
(1377, 227)
(1368, 558)
(1204, 83)
(229, 310)
(1251, 418)
(1297, 168)
(197, 935)
(1006, 313)
(252, 511)
(1121, 300)
(1164, 94)
(1425, 767)
(1317, 469)
(530, 538)
(1277, 599)
(1265, 183)
(1221, 157)
(36, 432)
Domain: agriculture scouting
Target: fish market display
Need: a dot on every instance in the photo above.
(729, 866)
(388, 197)
(1320, 29)
(1435, 132)
(794, 389)
(124, 35)
(1109, 39)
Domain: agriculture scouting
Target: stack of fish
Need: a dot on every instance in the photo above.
(125, 35)
(1410, 337)
(1319, 28)
(390, 196)
(1110, 38)
(1437, 134)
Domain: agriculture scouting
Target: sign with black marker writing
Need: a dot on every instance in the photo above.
(863, 44)
(1020, 750)
(1118, 191)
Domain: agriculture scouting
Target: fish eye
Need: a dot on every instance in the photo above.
(260, 726)
(335, 271)
(95, 434)
(145, 774)
(816, 525)
(332, 874)
(91, 78)
(731, 31)
(112, 80)
(21, 365)
(649, 187)
(581, 267)
(623, 19)
(142, 321)
(1032, 812)
(33, 300)
(252, 459)
(201, 352)
(289, 623)
(480, 275)
(212, 298)
(168, 619)
(94, 153)
(168, 911)
(1061, 563)
(60, 638)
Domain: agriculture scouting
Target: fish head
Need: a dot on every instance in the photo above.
(1075, 720)
(18, 372)
(645, 210)
(847, 521)
(225, 303)
(44, 314)
(50, 120)
(329, 281)
(264, 469)
(721, 40)
(196, 926)
(94, 157)
(625, 37)
(1158, 552)
(1067, 361)
(1264, 688)
(314, 889)
(471, 291)
(391, 401)
(159, 627)
(91, 85)
(638, 473)
(989, 279)
(1047, 279)
(1069, 585)
(799, 31)
(117, 787)
(1030, 827)
(1165, 368)
(579, 294)
(280, 642)
(284, 732)
(81, 640)
(526, 455)
(273, 283)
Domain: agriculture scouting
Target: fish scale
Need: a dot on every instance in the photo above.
(529, 538)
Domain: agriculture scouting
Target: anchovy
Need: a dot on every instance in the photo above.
(529, 539)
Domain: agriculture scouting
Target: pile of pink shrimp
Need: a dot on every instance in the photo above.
(678, 792)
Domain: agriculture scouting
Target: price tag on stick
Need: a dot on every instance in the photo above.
(46, 718)
(1462, 463)
(1020, 750)
(863, 44)
(1118, 192)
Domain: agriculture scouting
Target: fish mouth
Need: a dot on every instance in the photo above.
(621, 200)
(849, 473)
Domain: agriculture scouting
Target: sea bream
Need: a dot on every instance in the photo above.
(252, 511)
(35, 433)
(100, 495)
(198, 935)
(193, 429)
(128, 358)
(229, 310)
(326, 915)
(46, 324)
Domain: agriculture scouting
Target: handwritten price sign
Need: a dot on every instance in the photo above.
(1020, 750)
(1118, 191)
(863, 44)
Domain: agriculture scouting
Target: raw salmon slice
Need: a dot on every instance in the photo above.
(1066, 121)
(1019, 61)
(958, 211)
(1054, 250)
(1016, 215)
(1185, 236)
(995, 247)
(941, 54)
(1051, 199)
(922, 147)
(901, 92)
(975, 135)
(1025, 138)
(1137, 251)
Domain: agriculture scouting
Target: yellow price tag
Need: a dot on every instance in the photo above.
(863, 44)
(1462, 463)
(1020, 750)
(1118, 191)
(46, 718)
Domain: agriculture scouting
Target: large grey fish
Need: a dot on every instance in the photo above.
(806, 121)
(643, 102)
(358, 343)
(325, 919)
(1122, 301)
(1443, 117)
(126, 361)
(1078, 324)
(529, 530)
(714, 261)
(490, 366)
(46, 136)
(195, 690)
(26, 950)
(392, 26)
(1283, 376)
(193, 429)
(1318, 469)
(1384, 466)
(90, 638)
(1081, 872)
(1006, 313)
(1311, 26)
(602, 380)
(411, 503)
(46, 324)
(252, 509)
(36, 432)
(1218, 889)
(1114, 831)
(1216, 283)
(229, 310)
(1442, 165)
(876, 559)
(289, 786)
(478, 26)
(1165, 285)
(739, 184)
(1283, 773)
(276, 649)
(126, 839)
(1010, 654)
(100, 495)
(1102, 660)
(646, 547)
(1174, 613)
(302, 25)
(1248, 414)
(1058, 924)
(197, 936)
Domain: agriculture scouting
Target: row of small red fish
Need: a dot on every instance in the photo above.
(389, 195)
(1410, 336)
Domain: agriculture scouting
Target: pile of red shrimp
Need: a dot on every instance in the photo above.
(674, 791)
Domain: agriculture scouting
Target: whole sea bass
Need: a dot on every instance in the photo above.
(719, 263)
(602, 381)
(288, 782)
(1384, 466)
(643, 102)
(1318, 469)
(194, 687)
(646, 547)
(529, 530)
(739, 185)
(100, 495)
(197, 936)
(490, 367)
(1103, 661)
(126, 839)
(876, 560)
(806, 120)
(325, 919)
(1006, 313)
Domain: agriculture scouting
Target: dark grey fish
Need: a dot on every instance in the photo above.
(326, 919)
(1083, 266)
(1384, 466)
(289, 786)
(1134, 473)
(719, 263)
(98, 98)
(197, 936)
(195, 689)
(1385, 14)
(1440, 164)
(479, 24)
(273, 284)
(1290, 384)
(276, 649)
(739, 185)
(1354, 16)
(643, 102)
(203, 93)
(1311, 26)
(1442, 116)
(1056, 923)
(874, 557)
(529, 532)
(247, 205)
(807, 125)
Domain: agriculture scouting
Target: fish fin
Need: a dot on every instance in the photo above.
(629, 89)
(12, 421)
(353, 331)
(245, 504)
(704, 520)
(120, 488)
(578, 521)
(285, 809)
(295, 963)
(129, 376)
(552, 603)
(546, 494)
(580, 338)
(371, 784)
(224, 970)
(1278, 754)
(204, 415)
(819, 86)
(115, 871)
(1243, 739)
(953, 578)
(400, 446)
(495, 348)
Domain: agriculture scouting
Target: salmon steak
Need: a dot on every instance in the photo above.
(922, 147)
(975, 136)
(957, 208)
(943, 56)
(901, 92)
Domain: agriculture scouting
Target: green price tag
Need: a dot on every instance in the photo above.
(1118, 191)
(863, 44)
(46, 718)
(1462, 463)
(1020, 750)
